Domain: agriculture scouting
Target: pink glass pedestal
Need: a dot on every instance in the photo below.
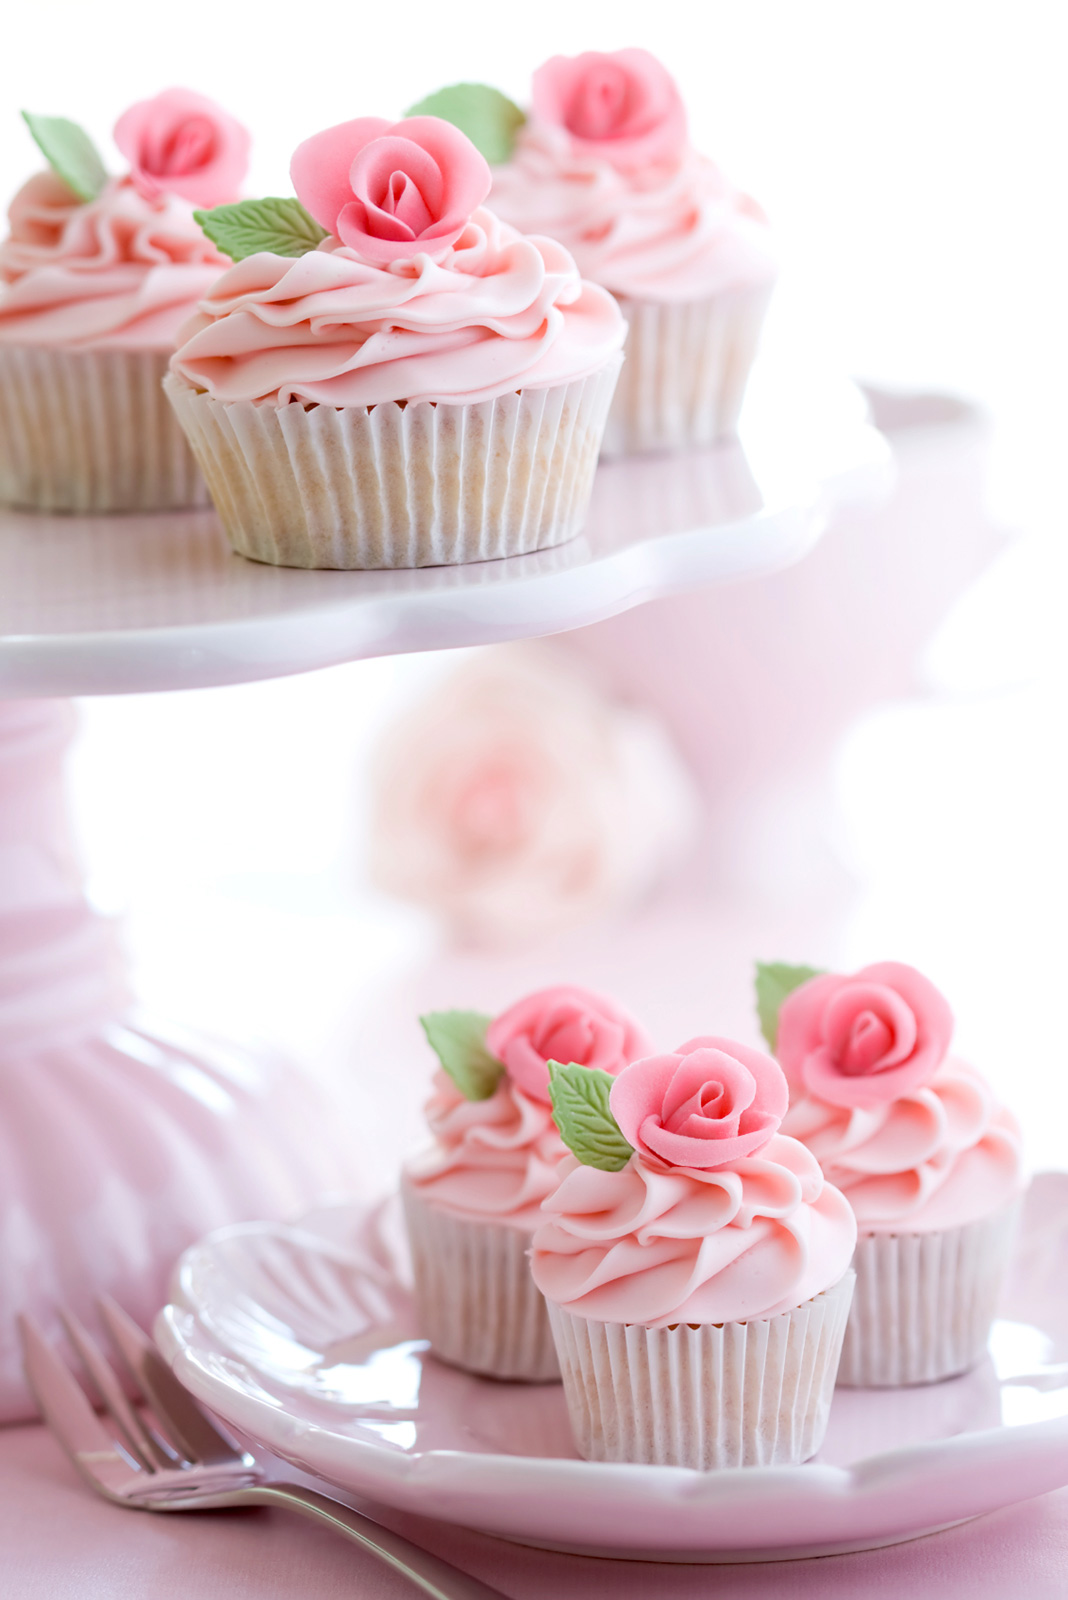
(760, 682)
(121, 1141)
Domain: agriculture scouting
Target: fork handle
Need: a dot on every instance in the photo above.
(435, 1578)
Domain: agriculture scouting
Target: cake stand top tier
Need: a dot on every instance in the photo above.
(112, 605)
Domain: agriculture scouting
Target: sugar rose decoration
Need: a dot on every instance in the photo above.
(867, 1039)
(391, 190)
(711, 1102)
(184, 144)
(516, 800)
(563, 1024)
(622, 106)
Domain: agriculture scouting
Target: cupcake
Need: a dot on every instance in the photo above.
(927, 1157)
(96, 276)
(695, 1263)
(472, 1200)
(604, 165)
(389, 376)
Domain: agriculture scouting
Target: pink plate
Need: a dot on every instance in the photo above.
(303, 1339)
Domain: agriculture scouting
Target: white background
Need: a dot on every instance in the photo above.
(912, 157)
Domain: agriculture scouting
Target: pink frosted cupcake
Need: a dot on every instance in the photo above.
(604, 165)
(98, 274)
(695, 1264)
(473, 1199)
(929, 1160)
(419, 386)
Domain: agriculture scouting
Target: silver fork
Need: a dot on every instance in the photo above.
(180, 1461)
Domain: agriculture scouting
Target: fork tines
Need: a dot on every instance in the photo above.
(122, 1452)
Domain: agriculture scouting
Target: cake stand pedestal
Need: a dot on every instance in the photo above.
(120, 1141)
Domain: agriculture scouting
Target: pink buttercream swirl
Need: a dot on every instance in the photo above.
(492, 313)
(938, 1156)
(127, 269)
(492, 1160)
(565, 1024)
(659, 1245)
(676, 231)
(121, 271)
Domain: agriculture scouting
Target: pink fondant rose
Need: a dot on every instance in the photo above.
(391, 190)
(623, 106)
(518, 799)
(710, 1103)
(182, 143)
(567, 1025)
(864, 1040)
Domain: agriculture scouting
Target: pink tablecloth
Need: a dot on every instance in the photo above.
(59, 1542)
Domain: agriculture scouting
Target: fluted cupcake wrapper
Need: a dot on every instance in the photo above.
(91, 431)
(684, 378)
(925, 1302)
(737, 1394)
(476, 1300)
(400, 484)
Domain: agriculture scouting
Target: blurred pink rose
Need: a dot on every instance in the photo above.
(710, 1103)
(390, 190)
(183, 143)
(864, 1040)
(563, 1024)
(516, 801)
(623, 106)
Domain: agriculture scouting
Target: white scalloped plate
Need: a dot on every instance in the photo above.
(303, 1339)
(112, 605)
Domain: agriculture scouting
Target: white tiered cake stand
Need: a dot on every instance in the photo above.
(122, 1142)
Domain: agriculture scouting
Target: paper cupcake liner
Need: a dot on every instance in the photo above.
(684, 378)
(924, 1302)
(476, 1300)
(737, 1394)
(91, 431)
(400, 485)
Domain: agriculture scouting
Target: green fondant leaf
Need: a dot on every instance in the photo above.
(458, 1038)
(774, 981)
(580, 1110)
(281, 226)
(489, 119)
(70, 153)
